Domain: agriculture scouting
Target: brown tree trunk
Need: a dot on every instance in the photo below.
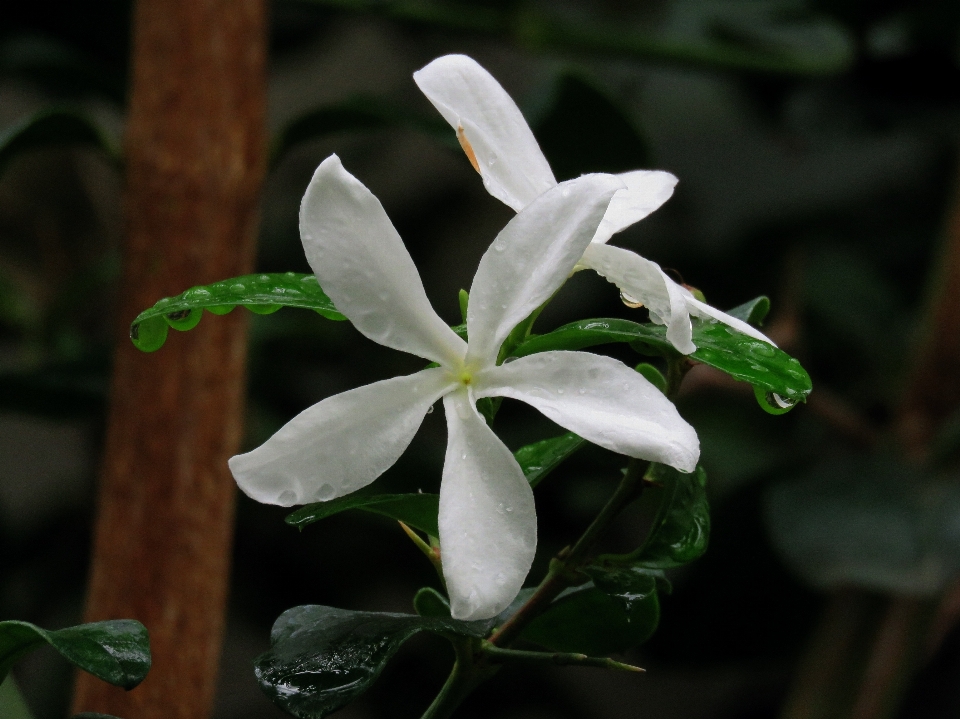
(195, 163)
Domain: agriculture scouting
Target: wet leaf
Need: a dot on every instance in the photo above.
(744, 358)
(628, 585)
(116, 651)
(262, 294)
(416, 510)
(53, 128)
(586, 619)
(537, 460)
(322, 658)
(681, 529)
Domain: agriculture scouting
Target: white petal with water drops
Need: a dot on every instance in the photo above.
(365, 269)
(644, 281)
(602, 400)
(340, 444)
(701, 309)
(646, 191)
(488, 525)
(508, 157)
(531, 258)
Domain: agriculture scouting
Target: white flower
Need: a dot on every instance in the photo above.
(501, 147)
(487, 518)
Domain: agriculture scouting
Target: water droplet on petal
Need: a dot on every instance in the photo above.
(325, 492)
(430, 409)
(630, 301)
(287, 497)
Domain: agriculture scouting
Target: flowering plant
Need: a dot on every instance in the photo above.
(480, 532)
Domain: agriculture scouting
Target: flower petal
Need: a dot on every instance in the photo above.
(644, 281)
(646, 191)
(490, 126)
(340, 444)
(488, 523)
(602, 400)
(702, 309)
(531, 258)
(362, 265)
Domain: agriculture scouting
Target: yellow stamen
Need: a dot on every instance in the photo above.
(467, 148)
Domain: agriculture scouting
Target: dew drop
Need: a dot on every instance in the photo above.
(238, 287)
(560, 390)
(325, 492)
(501, 579)
(463, 455)
(630, 301)
(582, 390)
(430, 409)
(287, 497)
(781, 402)
(499, 246)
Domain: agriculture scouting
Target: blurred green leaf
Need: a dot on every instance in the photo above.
(53, 128)
(537, 460)
(587, 620)
(261, 294)
(116, 651)
(357, 113)
(322, 658)
(869, 521)
(93, 715)
(417, 510)
(60, 69)
(777, 42)
(742, 357)
(12, 705)
(585, 131)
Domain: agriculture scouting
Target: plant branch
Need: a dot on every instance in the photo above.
(464, 677)
(564, 569)
(559, 658)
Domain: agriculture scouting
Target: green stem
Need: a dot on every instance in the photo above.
(564, 569)
(464, 678)
(559, 658)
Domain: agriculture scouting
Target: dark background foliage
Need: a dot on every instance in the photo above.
(823, 182)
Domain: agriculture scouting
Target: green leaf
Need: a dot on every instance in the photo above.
(652, 375)
(322, 658)
(262, 294)
(588, 620)
(357, 113)
(93, 715)
(53, 128)
(681, 529)
(753, 312)
(537, 460)
(742, 357)
(416, 510)
(12, 705)
(628, 585)
(428, 602)
(116, 651)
